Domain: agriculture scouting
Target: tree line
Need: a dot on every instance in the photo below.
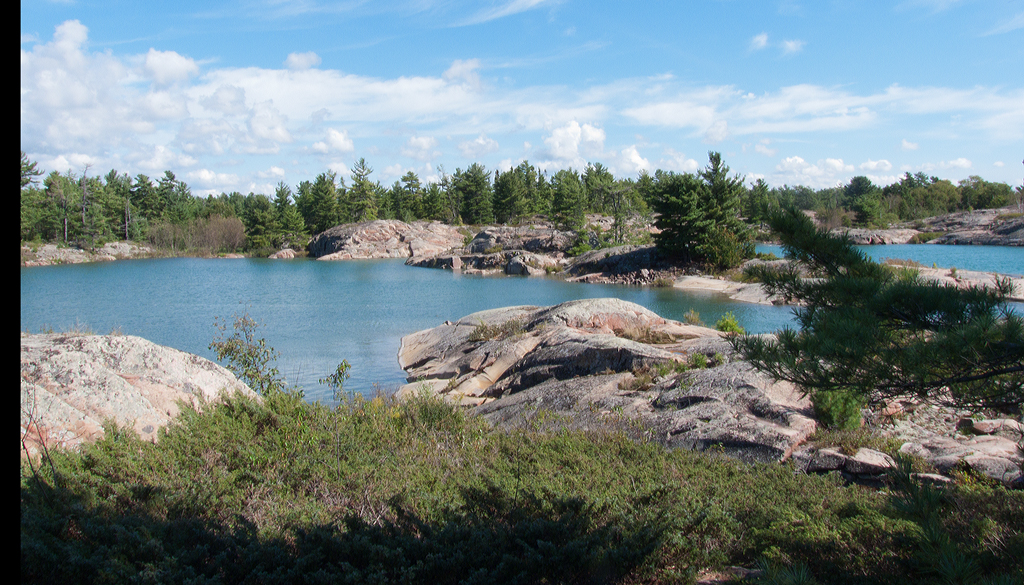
(88, 209)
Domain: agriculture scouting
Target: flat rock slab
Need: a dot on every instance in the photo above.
(71, 384)
(596, 362)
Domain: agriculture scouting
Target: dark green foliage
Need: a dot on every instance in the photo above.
(473, 191)
(511, 194)
(568, 202)
(376, 491)
(320, 208)
(363, 196)
(869, 331)
(248, 356)
(699, 216)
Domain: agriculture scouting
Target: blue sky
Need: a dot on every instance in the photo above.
(237, 96)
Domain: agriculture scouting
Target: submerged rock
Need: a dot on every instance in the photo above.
(71, 384)
(599, 362)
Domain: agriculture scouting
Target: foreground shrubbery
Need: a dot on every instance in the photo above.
(380, 492)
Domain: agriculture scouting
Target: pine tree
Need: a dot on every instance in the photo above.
(475, 193)
(699, 216)
(869, 331)
(568, 201)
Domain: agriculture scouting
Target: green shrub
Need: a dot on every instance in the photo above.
(509, 328)
(692, 317)
(729, 324)
(925, 237)
(838, 409)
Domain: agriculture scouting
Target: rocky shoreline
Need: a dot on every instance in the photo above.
(609, 363)
(72, 383)
(540, 248)
(586, 364)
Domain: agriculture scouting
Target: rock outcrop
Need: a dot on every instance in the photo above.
(385, 238)
(989, 227)
(49, 254)
(597, 362)
(870, 237)
(71, 384)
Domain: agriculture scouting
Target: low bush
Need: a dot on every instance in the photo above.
(509, 328)
(278, 490)
(729, 324)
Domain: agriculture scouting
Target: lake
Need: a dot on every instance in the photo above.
(319, 313)
(316, 313)
(1007, 260)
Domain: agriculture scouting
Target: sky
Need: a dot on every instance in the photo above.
(242, 95)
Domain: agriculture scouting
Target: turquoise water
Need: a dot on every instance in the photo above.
(1002, 259)
(316, 313)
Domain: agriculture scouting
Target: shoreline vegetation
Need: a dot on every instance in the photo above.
(274, 489)
(271, 488)
(86, 211)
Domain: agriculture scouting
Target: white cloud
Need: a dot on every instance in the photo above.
(340, 140)
(421, 148)
(464, 73)
(160, 158)
(998, 163)
(678, 162)
(226, 99)
(876, 165)
(762, 147)
(632, 163)
(790, 47)
(759, 42)
(167, 67)
(205, 178)
(507, 9)
(268, 125)
(478, 147)
(300, 61)
(340, 168)
(74, 161)
(1015, 23)
(795, 170)
(907, 145)
(717, 132)
(271, 173)
(959, 163)
(571, 142)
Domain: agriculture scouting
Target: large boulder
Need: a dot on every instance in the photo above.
(539, 240)
(72, 384)
(386, 238)
(597, 362)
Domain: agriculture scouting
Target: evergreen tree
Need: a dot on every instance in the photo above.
(291, 230)
(473, 189)
(363, 194)
(699, 216)
(509, 195)
(869, 331)
(321, 204)
(568, 201)
(598, 183)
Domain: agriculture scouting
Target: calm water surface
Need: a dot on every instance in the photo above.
(315, 313)
(1002, 259)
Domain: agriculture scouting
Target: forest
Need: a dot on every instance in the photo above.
(86, 209)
